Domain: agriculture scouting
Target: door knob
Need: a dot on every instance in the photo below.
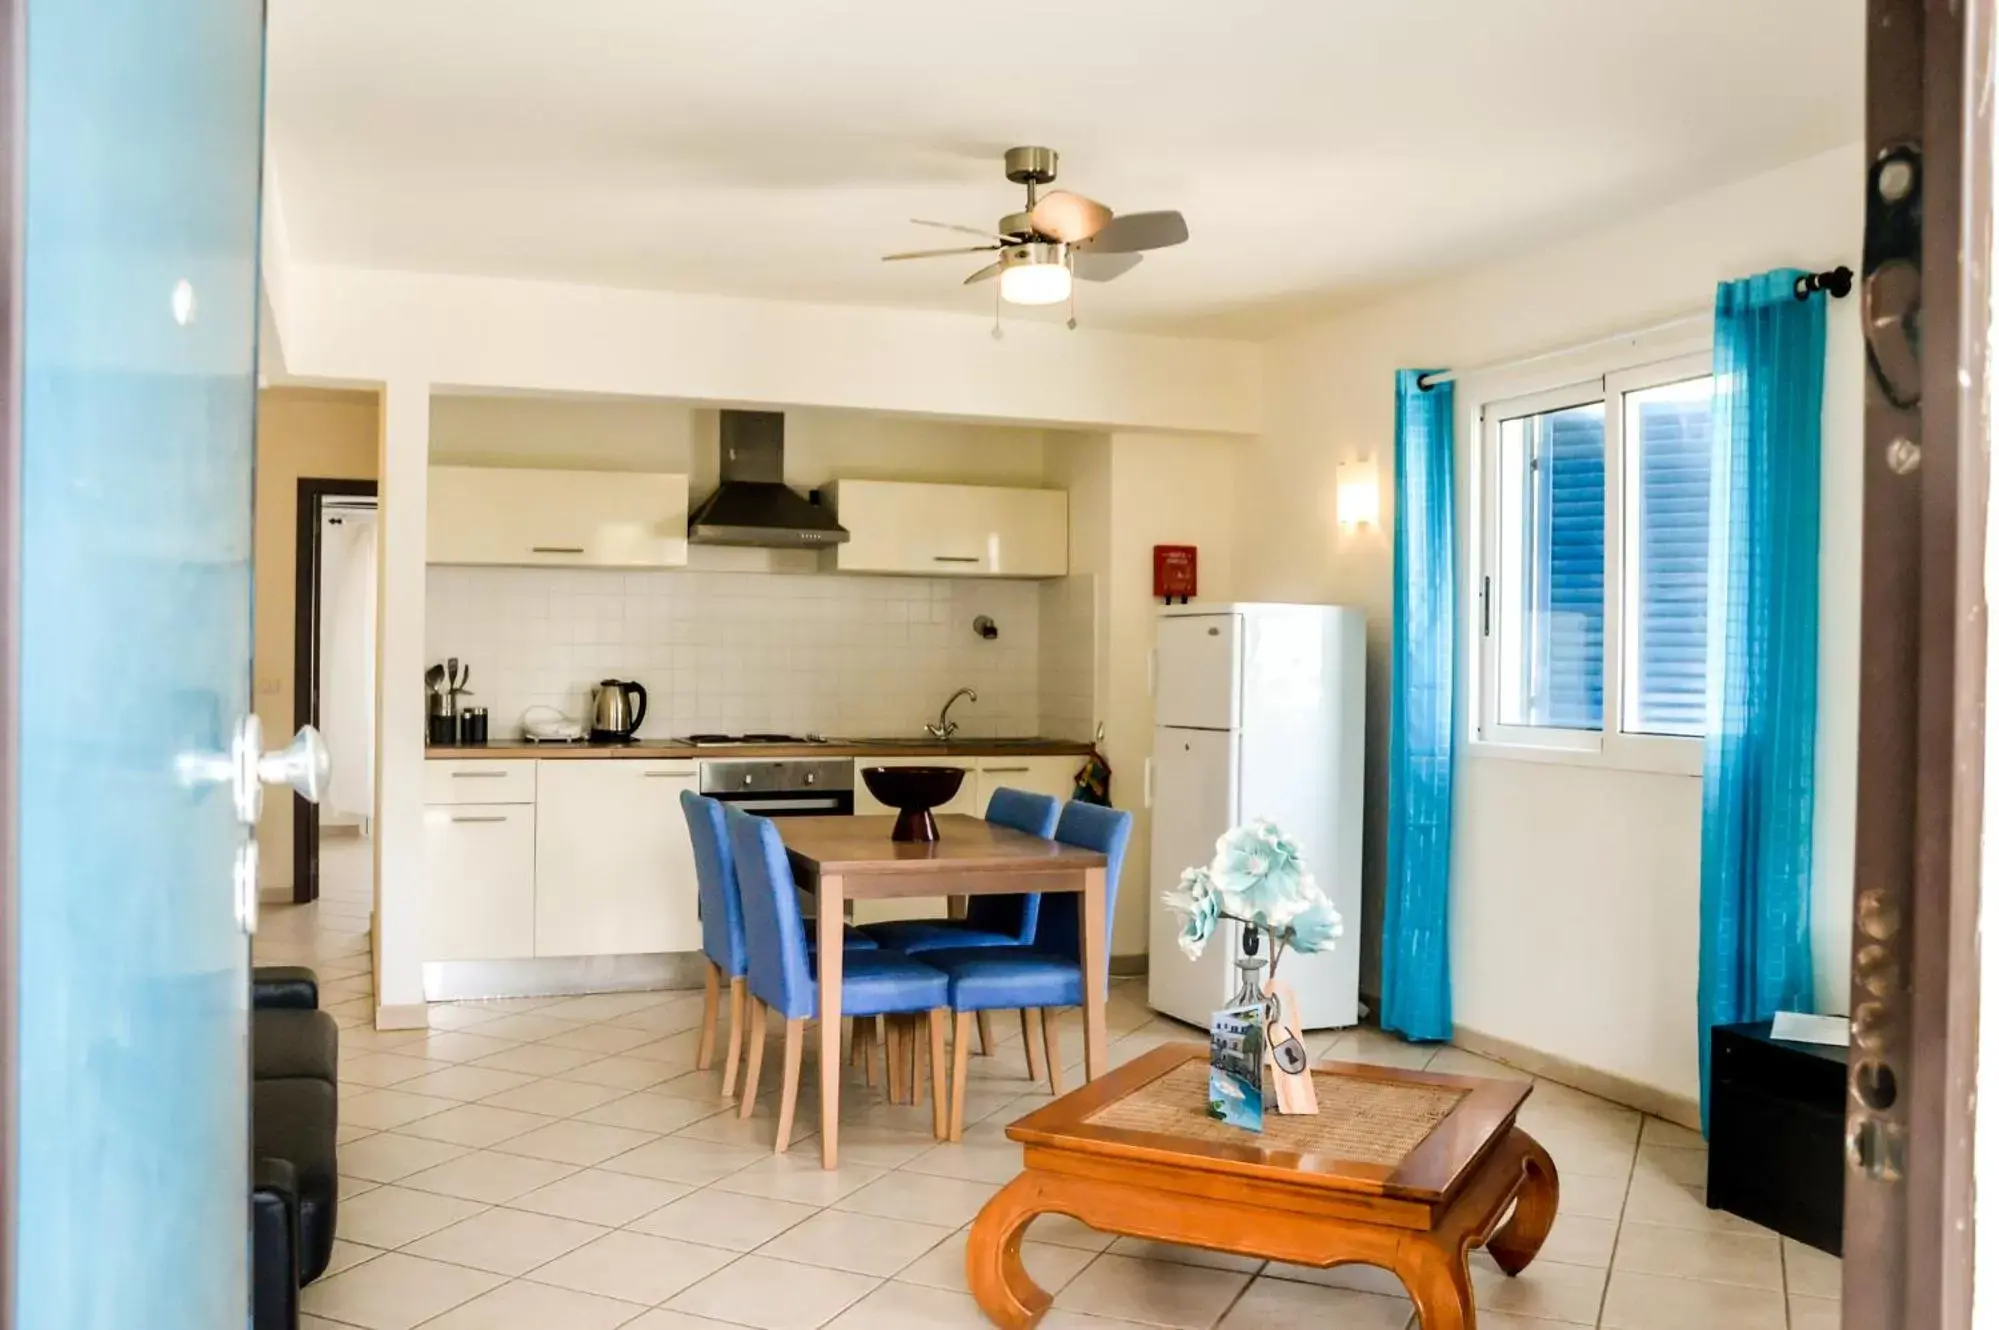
(304, 764)
(246, 768)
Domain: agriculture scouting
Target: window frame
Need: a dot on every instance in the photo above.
(1613, 746)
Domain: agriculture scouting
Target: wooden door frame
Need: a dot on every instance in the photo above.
(312, 492)
(1913, 1069)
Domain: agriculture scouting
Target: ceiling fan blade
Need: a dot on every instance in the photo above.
(968, 230)
(990, 270)
(1138, 230)
(1068, 217)
(1093, 267)
(939, 253)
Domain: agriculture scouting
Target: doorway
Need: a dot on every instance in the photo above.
(334, 667)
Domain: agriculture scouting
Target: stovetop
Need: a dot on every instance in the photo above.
(750, 740)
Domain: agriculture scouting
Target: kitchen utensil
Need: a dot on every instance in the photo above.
(472, 726)
(433, 678)
(913, 792)
(451, 672)
(617, 711)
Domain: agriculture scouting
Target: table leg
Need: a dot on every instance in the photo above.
(1519, 1241)
(1000, 1284)
(1439, 1282)
(832, 958)
(1096, 976)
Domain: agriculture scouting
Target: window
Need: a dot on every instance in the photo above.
(1592, 604)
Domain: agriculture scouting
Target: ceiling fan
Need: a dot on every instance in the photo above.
(1059, 237)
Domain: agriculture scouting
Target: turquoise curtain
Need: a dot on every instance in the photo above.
(1762, 642)
(1422, 718)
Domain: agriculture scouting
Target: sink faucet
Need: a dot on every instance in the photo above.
(944, 727)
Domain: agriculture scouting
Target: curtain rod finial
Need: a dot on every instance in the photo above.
(1837, 283)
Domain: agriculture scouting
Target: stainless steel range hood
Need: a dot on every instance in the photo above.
(753, 506)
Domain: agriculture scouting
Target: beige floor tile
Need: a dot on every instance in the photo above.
(1657, 1302)
(1355, 1276)
(1144, 1250)
(347, 1132)
(1546, 1289)
(950, 1202)
(383, 1109)
(1814, 1313)
(346, 1255)
(774, 1295)
(384, 1069)
(619, 1072)
(319, 1323)
(664, 1318)
(723, 1219)
(677, 1049)
(603, 1039)
(1683, 1166)
(673, 1159)
(535, 1059)
(1279, 1304)
(973, 1163)
(1155, 1292)
(506, 1242)
(459, 1046)
(348, 1188)
(1457, 1062)
(685, 1082)
(559, 1099)
(597, 1197)
(523, 1305)
(657, 1113)
(759, 1130)
(1670, 1134)
(798, 1177)
(606, 1006)
(1063, 1231)
(1575, 1240)
(1581, 1151)
(864, 1244)
(1491, 1320)
(1592, 1197)
(526, 1027)
(667, 1020)
(943, 1266)
(910, 1307)
(461, 1081)
(1657, 1199)
(448, 1016)
(579, 1143)
(635, 1267)
(1810, 1272)
(392, 1216)
(1684, 1253)
(488, 1176)
(476, 1125)
(1063, 1319)
(395, 1292)
(387, 1156)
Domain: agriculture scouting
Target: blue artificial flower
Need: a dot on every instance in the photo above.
(1195, 901)
(1318, 925)
(1260, 874)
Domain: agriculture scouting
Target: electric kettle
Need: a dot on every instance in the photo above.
(615, 714)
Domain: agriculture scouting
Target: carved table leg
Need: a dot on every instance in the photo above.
(1004, 1290)
(1439, 1281)
(1520, 1239)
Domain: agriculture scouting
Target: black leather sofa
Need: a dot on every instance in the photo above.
(294, 1108)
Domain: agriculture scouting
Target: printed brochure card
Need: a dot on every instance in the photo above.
(1235, 1067)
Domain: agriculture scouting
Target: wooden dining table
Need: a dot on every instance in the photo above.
(841, 859)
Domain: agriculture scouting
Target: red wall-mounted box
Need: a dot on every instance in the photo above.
(1175, 572)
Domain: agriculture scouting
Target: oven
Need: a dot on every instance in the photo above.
(782, 786)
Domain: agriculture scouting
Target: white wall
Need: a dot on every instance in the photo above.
(1576, 893)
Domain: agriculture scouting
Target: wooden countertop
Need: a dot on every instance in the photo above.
(667, 748)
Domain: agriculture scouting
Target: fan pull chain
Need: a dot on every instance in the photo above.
(998, 332)
(1072, 306)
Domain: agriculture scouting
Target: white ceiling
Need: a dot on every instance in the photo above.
(1321, 149)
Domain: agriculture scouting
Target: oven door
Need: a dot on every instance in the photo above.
(830, 803)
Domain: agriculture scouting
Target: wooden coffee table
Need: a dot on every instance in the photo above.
(1400, 1169)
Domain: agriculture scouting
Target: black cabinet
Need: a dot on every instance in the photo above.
(1775, 1127)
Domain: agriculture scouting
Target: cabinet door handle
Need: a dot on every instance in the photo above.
(1004, 771)
(957, 558)
(667, 775)
(483, 817)
(478, 775)
(556, 549)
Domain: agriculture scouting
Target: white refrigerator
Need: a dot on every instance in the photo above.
(1259, 711)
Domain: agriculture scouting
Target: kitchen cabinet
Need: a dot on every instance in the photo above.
(478, 782)
(564, 519)
(1052, 776)
(613, 866)
(479, 881)
(949, 530)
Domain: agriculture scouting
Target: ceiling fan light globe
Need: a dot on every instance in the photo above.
(1035, 284)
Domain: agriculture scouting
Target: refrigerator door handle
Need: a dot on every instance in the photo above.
(1148, 782)
(1152, 679)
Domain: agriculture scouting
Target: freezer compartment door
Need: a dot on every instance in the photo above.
(1193, 803)
(1196, 681)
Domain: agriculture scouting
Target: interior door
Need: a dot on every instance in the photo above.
(134, 170)
(1195, 681)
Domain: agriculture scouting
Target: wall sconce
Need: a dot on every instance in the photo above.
(1357, 494)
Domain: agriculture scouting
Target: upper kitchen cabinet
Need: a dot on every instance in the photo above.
(949, 530)
(561, 519)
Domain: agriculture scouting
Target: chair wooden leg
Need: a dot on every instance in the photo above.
(739, 989)
(1052, 1040)
(874, 1038)
(985, 1034)
(1030, 1039)
(912, 1038)
(939, 1091)
(960, 1060)
(794, 1058)
(711, 1010)
(893, 1058)
(758, 1015)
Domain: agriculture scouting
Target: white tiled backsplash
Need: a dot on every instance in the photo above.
(749, 651)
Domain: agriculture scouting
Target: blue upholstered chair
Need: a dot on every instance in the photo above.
(783, 979)
(722, 942)
(990, 921)
(1046, 974)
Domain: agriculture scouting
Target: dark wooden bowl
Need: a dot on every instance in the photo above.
(914, 791)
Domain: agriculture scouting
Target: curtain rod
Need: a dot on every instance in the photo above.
(1835, 282)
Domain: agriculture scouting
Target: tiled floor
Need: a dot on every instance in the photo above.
(557, 1164)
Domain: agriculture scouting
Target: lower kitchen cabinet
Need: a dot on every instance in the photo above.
(612, 865)
(1052, 776)
(479, 881)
